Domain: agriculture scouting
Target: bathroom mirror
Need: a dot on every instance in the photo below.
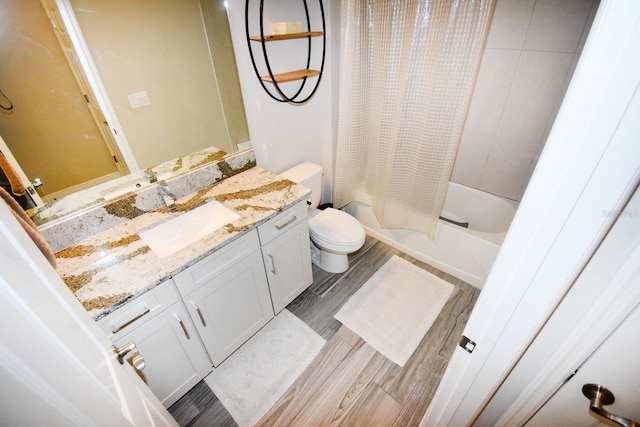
(190, 94)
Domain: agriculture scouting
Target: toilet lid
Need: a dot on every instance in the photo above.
(332, 225)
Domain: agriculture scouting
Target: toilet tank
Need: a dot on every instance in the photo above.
(310, 175)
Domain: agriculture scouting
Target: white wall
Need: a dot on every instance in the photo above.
(283, 135)
(531, 52)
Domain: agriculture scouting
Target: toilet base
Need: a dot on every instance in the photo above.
(329, 262)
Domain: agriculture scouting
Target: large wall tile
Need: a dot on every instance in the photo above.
(492, 87)
(512, 110)
(509, 25)
(537, 84)
(587, 27)
(505, 172)
(550, 122)
(527, 177)
(565, 85)
(470, 162)
(497, 70)
(557, 26)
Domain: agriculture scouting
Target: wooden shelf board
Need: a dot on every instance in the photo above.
(275, 37)
(291, 76)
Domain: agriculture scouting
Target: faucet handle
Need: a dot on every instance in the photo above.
(151, 175)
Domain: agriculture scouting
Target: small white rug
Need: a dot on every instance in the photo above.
(395, 308)
(252, 379)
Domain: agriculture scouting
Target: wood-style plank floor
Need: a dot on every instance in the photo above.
(349, 383)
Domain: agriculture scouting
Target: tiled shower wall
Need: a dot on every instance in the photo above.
(531, 52)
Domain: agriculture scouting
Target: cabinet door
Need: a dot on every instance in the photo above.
(175, 359)
(229, 307)
(287, 260)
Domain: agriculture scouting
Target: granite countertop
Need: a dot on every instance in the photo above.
(108, 269)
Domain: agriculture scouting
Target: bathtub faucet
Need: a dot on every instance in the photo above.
(458, 223)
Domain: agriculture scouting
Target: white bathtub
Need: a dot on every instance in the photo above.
(466, 253)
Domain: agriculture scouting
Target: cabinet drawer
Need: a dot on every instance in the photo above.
(284, 221)
(201, 272)
(141, 309)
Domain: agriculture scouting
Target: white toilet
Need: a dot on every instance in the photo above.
(334, 234)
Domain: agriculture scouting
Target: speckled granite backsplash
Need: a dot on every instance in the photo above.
(72, 229)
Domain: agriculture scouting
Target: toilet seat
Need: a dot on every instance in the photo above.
(336, 231)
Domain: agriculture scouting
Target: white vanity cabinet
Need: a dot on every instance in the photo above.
(287, 258)
(196, 319)
(159, 325)
(227, 296)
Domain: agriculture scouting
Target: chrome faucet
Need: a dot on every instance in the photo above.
(150, 175)
(168, 196)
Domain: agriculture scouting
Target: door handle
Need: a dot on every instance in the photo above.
(37, 182)
(137, 361)
(598, 396)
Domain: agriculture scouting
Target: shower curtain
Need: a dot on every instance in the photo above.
(407, 72)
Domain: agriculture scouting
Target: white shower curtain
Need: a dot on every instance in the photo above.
(407, 72)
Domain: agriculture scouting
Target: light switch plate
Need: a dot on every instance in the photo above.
(139, 99)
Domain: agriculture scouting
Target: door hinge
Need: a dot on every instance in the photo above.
(115, 159)
(86, 98)
(570, 376)
(115, 132)
(467, 344)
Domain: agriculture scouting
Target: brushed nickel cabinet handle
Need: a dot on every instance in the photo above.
(273, 264)
(116, 329)
(199, 314)
(184, 328)
(291, 221)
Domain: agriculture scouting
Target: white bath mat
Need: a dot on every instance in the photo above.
(395, 308)
(252, 379)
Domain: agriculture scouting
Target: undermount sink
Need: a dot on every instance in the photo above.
(173, 235)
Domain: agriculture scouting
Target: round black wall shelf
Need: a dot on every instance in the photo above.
(304, 74)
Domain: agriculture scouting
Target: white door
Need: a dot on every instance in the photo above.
(56, 365)
(588, 168)
(561, 357)
(615, 365)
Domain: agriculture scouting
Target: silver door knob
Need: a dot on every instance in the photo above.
(137, 361)
(598, 396)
